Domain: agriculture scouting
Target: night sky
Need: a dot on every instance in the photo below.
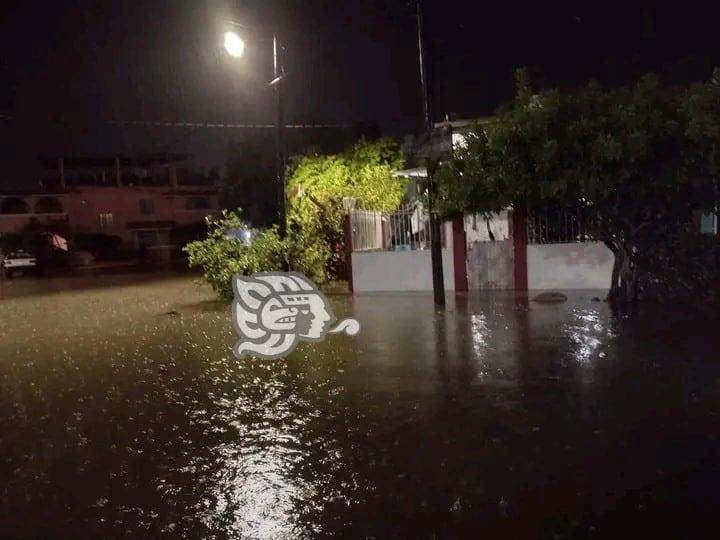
(70, 68)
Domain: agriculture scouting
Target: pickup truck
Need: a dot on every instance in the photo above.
(18, 263)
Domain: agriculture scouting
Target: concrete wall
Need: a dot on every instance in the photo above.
(569, 266)
(490, 265)
(375, 271)
(476, 227)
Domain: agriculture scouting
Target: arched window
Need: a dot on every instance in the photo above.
(14, 205)
(48, 205)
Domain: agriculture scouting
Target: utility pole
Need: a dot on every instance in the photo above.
(435, 243)
(280, 133)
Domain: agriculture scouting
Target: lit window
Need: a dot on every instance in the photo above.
(106, 220)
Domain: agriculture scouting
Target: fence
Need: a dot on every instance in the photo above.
(407, 229)
(366, 230)
(556, 226)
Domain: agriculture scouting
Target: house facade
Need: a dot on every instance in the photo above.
(548, 249)
(511, 250)
(139, 199)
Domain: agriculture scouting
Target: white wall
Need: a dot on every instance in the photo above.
(476, 227)
(585, 265)
(375, 271)
(490, 266)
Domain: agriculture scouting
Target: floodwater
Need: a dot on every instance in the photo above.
(124, 414)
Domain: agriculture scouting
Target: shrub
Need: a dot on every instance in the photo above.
(221, 256)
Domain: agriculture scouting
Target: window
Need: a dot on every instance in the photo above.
(106, 220)
(198, 203)
(708, 223)
(147, 207)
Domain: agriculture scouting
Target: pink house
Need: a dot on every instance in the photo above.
(138, 199)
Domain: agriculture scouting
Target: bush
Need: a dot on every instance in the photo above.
(221, 256)
(684, 268)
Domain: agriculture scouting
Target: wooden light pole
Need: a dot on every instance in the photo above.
(435, 243)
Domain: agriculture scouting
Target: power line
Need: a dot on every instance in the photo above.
(214, 125)
(160, 123)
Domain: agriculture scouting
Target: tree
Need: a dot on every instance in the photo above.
(637, 161)
(315, 243)
(319, 184)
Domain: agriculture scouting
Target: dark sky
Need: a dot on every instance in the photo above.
(68, 68)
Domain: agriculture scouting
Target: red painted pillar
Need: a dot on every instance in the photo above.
(696, 228)
(459, 255)
(519, 235)
(348, 252)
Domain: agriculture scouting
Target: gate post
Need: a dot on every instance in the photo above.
(348, 251)
(459, 254)
(519, 238)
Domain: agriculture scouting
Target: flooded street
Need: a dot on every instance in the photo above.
(124, 413)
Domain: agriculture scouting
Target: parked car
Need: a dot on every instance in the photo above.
(18, 263)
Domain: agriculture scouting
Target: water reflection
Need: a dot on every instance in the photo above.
(586, 332)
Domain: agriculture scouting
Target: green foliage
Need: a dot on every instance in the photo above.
(364, 172)
(221, 256)
(685, 269)
(638, 160)
(315, 240)
(318, 184)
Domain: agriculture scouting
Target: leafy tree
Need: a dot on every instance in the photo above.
(319, 184)
(637, 161)
(315, 241)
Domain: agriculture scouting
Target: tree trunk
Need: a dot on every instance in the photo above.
(615, 279)
(625, 278)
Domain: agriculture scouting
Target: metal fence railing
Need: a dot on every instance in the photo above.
(366, 230)
(555, 226)
(408, 228)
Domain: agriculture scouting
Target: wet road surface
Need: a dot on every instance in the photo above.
(124, 414)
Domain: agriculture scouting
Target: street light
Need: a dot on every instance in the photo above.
(235, 47)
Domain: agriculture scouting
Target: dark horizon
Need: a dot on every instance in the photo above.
(71, 70)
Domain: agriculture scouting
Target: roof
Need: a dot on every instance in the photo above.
(140, 160)
(464, 123)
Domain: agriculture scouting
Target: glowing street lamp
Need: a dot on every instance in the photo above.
(234, 45)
